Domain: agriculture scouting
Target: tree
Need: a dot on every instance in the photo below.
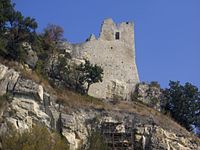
(76, 77)
(183, 103)
(14, 30)
(54, 32)
(90, 73)
(6, 11)
(52, 35)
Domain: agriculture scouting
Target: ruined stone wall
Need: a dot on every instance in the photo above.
(114, 51)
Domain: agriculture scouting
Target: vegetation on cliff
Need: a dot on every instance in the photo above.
(14, 29)
(37, 138)
(18, 32)
(181, 102)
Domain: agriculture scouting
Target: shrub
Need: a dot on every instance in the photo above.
(37, 138)
(3, 100)
(97, 142)
(154, 84)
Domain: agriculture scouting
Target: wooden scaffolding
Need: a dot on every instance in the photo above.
(118, 140)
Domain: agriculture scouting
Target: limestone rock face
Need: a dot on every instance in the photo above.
(149, 94)
(30, 103)
(155, 137)
(8, 78)
(76, 128)
(27, 112)
(140, 134)
(31, 56)
(26, 106)
(117, 90)
(28, 88)
(163, 139)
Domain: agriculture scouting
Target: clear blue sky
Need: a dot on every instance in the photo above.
(167, 32)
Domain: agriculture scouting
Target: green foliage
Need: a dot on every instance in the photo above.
(154, 101)
(97, 142)
(40, 69)
(46, 46)
(183, 103)
(3, 100)
(154, 84)
(76, 77)
(90, 73)
(14, 30)
(37, 138)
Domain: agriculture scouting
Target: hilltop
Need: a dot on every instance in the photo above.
(59, 95)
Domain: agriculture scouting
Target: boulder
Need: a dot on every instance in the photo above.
(28, 89)
(26, 112)
(31, 56)
(8, 79)
(149, 94)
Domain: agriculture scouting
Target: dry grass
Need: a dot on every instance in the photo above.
(71, 99)
(11, 64)
(160, 119)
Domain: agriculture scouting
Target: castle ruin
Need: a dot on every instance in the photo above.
(114, 51)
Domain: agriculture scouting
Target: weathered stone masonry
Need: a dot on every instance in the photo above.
(114, 51)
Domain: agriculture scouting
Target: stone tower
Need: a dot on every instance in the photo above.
(114, 51)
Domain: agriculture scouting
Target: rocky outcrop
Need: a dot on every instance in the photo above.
(28, 88)
(8, 79)
(31, 103)
(149, 94)
(136, 135)
(162, 139)
(30, 56)
(26, 97)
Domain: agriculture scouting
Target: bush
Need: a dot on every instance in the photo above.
(154, 84)
(3, 100)
(183, 103)
(97, 142)
(37, 138)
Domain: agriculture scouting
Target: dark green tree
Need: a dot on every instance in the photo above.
(90, 73)
(14, 30)
(76, 77)
(183, 103)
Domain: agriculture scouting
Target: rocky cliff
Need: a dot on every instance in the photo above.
(131, 124)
